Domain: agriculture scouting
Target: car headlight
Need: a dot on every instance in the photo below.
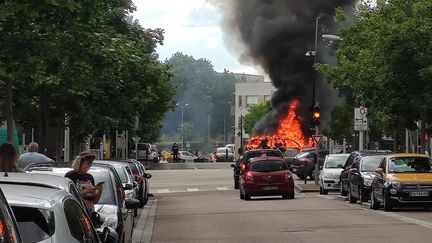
(330, 176)
(396, 184)
(367, 181)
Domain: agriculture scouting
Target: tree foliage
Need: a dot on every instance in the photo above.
(385, 59)
(255, 114)
(83, 62)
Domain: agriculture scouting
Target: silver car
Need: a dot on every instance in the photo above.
(47, 214)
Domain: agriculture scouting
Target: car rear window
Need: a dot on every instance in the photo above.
(268, 166)
(122, 173)
(34, 224)
(134, 168)
(107, 196)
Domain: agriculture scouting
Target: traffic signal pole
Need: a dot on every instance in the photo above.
(316, 156)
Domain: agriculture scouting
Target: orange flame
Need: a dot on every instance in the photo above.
(288, 135)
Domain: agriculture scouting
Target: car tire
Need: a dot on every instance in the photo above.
(375, 205)
(183, 161)
(247, 197)
(323, 191)
(300, 176)
(236, 184)
(312, 174)
(363, 196)
(290, 195)
(342, 191)
(351, 199)
(242, 195)
(387, 203)
(427, 207)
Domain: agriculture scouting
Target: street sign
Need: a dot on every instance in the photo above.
(136, 139)
(360, 119)
(317, 139)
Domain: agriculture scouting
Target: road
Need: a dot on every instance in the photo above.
(201, 206)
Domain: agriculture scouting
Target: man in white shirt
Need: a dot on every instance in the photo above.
(32, 156)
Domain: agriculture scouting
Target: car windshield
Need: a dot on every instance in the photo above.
(409, 165)
(34, 224)
(122, 174)
(334, 161)
(268, 166)
(370, 163)
(107, 196)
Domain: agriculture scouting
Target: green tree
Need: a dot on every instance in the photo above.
(385, 59)
(255, 114)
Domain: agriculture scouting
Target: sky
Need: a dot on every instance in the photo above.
(191, 27)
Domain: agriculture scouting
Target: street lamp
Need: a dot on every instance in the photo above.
(182, 122)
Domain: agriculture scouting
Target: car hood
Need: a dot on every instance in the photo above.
(332, 171)
(410, 177)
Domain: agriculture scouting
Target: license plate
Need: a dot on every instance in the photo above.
(270, 188)
(419, 194)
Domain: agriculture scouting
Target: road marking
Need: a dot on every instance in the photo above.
(223, 188)
(144, 228)
(163, 191)
(388, 214)
(192, 189)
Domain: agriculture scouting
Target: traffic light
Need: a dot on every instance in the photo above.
(316, 115)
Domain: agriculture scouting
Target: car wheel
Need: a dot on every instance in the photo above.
(342, 191)
(427, 207)
(363, 196)
(236, 184)
(246, 196)
(183, 161)
(351, 199)
(388, 205)
(290, 195)
(300, 176)
(323, 191)
(312, 174)
(375, 205)
(242, 195)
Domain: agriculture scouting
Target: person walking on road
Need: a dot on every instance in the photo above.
(175, 150)
(32, 156)
(8, 158)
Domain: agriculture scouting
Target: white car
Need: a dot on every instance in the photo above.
(186, 156)
(329, 178)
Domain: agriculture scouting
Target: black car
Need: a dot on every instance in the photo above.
(344, 188)
(303, 164)
(360, 177)
(244, 160)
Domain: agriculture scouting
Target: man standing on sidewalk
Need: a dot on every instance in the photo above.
(32, 156)
(175, 150)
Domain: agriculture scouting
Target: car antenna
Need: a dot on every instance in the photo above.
(6, 174)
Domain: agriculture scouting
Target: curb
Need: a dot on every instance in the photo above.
(301, 189)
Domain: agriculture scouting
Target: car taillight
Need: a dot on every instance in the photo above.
(288, 176)
(242, 166)
(249, 177)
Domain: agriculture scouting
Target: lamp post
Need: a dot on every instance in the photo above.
(182, 122)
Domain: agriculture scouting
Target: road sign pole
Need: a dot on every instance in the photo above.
(316, 156)
(361, 140)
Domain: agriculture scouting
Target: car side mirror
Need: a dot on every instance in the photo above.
(108, 235)
(148, 175)
(379, 171)
(354, 169)
(132, 203)
(321, 167)
(128, 186)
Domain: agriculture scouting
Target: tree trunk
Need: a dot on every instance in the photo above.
(9, 112)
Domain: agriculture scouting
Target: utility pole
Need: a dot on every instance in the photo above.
(241, 131)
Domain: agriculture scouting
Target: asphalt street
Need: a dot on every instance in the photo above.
(200, 205)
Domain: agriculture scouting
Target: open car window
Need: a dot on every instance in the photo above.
(34, 224)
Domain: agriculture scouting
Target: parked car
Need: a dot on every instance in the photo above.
(303, 164)
(329, 176)
(360, 177)
(186, 156)
(113, 206)
(45, 214)
(146, 151)
(202, 158)
(241, 163)
(10, 232)
(141, 177)
(221, 154)
(346, 168)
(403, 179)
(289, 155)
(266, 176)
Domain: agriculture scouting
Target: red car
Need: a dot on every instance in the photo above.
(266, 176)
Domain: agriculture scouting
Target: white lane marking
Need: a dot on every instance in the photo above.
(222, 188)
(163, 191)
(388, 214)
(192, 189)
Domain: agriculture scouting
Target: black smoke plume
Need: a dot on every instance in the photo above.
(276, 34)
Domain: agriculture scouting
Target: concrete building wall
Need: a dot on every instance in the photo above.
(246, 95)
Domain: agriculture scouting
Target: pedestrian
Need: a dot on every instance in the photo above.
(175, 150)
(85, 181)
(9, 158)
(32, 156)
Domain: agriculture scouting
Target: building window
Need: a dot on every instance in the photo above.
(251, 100)
(240, 102)
(267, 98)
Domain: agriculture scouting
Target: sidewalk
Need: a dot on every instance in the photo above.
(309, 187)
(143, 230)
